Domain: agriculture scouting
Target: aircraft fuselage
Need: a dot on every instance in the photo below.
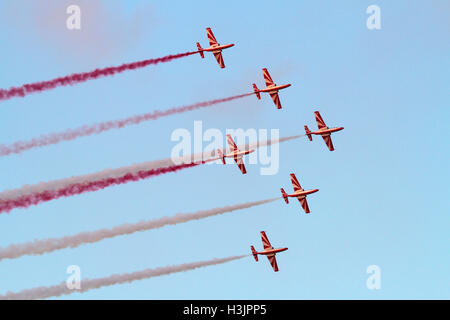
(303, 193)
(272, 251)
(238, 153)
(219, 48)
(275, 88)
(328, 130)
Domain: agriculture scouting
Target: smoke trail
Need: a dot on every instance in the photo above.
(98, 128)
(78, 188)
(75, 78)
(260, 144)
(46, 191)
(38, 247)
(104, 174)
(89, 284)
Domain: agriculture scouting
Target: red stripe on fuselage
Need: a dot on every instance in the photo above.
(275, 88)
(219, 47)
(302, 193)
(329, 130)
(272, 251)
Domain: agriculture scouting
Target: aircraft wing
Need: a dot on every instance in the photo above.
(265, 241)
(231, 143)
(328, 142)
(211, 38)
(276, 99)
(320, 123)
(219, 58)
(304, 204)
(295, 183)
(240, 164)
(273, 262)
(267, 77)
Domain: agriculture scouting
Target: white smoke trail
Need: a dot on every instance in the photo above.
(89, 284)
(38, 247)
(115, 173)
(87, 130)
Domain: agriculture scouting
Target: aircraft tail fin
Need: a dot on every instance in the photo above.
(255, 255)
(308, 133)
(285, 197)
(256, 91)
(220, 154)
(200, 50)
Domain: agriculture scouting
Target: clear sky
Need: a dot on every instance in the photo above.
(384, 195)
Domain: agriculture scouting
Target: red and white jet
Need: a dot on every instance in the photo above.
(234, 153)
(215, 48)
(268, 251)
(271, 88)
(324, 131)
(299, 193)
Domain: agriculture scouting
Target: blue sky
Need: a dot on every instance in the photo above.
(383, 195)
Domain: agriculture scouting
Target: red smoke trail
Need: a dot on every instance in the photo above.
(78, 188)
(98, 128)
(75, 78)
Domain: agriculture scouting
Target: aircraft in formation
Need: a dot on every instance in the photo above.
(323, 131)
(268, 251)
(215, 48)
(234, 153)
(299, 193)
